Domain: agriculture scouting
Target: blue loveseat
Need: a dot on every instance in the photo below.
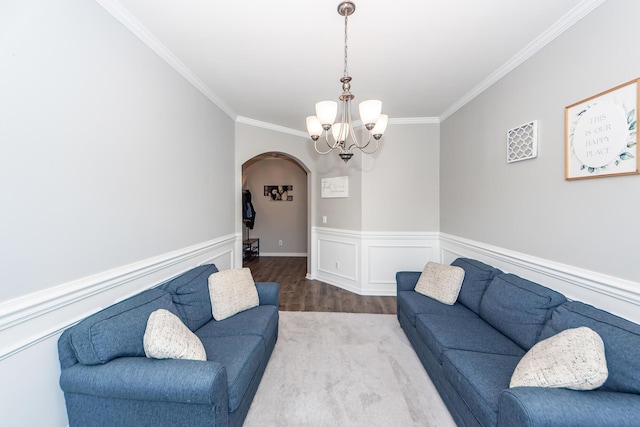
(108, 381)
(470, 350)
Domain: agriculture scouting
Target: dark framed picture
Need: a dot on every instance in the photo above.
(279, 193)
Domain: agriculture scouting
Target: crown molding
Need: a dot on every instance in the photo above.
(414, 121)
(566, 22)
(125, 18)
(133, 25)
(271, 126)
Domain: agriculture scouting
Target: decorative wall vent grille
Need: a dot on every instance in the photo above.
(522, 142)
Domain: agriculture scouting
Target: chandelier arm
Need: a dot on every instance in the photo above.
(315, 146)
(354, 140)
(372, 151)
(330, 145)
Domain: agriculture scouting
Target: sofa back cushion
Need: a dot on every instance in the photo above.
(518, 308)
(190, 293)
(477, 277)
(621, 341)
(118, 330)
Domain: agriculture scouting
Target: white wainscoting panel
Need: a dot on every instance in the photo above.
(386, 254)
(366, 262)
(618, 296)
(337, 256)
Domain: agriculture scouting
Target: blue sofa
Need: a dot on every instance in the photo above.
(108, 381)
(470, 350)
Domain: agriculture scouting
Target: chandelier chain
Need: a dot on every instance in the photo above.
(346, 69)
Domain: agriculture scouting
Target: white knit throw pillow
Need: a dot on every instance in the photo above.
(440, 282)
(573, 358)
(166, 337)
(231, 292)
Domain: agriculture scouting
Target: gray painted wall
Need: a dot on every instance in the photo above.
(400, 182)
(108, 155)
(344, 212)
(278, 220)
(394, 189)
(528, 206)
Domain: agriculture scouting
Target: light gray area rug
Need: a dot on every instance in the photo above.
(345, 369)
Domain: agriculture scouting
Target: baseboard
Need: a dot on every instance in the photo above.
(284, 254)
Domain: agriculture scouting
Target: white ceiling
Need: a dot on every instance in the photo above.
(271, 61)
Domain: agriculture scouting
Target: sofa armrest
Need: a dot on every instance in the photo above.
(143, 379)
(536, 406)
(406, 280)
(268, 293)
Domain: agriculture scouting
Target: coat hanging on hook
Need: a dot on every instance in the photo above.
(248, 212)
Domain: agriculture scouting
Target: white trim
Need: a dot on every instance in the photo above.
(283, 254)
(37, 317)
(23, 319)
(622, 296)
(132, 24)
(270, 126)
(27, 307)
(566, 22)
(400, 235)
(414, 121)
(30, 342)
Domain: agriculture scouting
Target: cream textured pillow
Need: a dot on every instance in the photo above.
(573, 358)
(440, 282)
(231, 292)
(166, 337)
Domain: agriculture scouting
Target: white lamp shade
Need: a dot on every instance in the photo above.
(370, 111)
(313, 126)
(381, 125)
(340, 131)
(326, 112)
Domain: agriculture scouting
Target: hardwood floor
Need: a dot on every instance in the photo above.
(300, 294)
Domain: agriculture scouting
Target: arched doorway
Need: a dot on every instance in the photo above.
(278, 186)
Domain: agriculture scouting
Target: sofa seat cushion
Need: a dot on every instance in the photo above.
(443, 332)
(477, 277)
(518, 308)
(479, 379)
(261, 321)
(621, 340)
(413, 304)
(118, 330)
(241, 356)
(190, 293)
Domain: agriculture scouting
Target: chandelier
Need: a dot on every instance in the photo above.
(341, 136)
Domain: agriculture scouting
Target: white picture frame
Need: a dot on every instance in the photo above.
(335, 187)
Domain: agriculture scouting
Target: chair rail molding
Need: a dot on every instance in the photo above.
(619, 296)
(30, 319)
